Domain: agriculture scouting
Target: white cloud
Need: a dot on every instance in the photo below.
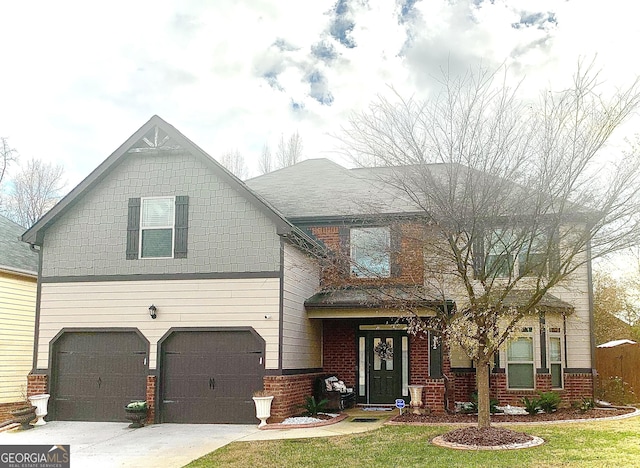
(80, 77)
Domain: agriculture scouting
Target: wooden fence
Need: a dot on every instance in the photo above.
(623, 362)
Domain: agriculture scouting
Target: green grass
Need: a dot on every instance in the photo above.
(592, 444)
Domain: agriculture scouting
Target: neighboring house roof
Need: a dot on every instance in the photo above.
(15, 256)
(35, 234)
(320, 188)
(611, 344)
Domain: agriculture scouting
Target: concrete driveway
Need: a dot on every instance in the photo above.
(101, 444)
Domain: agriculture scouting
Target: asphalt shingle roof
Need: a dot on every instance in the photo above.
(322, 188)
(15, 254)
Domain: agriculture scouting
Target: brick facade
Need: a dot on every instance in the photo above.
(37, 384)
(151, 398)
(409, 256)
(576, 386)
(434, 395)
(339, 352)
(418, 359)
(289, 392)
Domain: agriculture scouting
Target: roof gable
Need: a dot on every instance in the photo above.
(155, 135)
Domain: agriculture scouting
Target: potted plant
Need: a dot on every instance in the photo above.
(136, 412)
(262, 400)
(24, 415)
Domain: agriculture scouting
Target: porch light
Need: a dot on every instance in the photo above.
(152, 311)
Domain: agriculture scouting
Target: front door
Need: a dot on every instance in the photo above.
(386, 365)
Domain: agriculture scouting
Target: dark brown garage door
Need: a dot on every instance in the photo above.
(210, 376)
(96, 373)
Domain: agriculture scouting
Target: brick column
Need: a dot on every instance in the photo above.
(37, 384)
(434, 395)
(151, 398)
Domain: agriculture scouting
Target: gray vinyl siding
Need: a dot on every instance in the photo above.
(226, 233)
(301, 336)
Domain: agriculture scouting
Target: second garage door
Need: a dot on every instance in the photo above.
(210, 376)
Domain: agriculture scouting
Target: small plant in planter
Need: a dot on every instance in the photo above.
(549, 401)
(314, 407)
(136, 412)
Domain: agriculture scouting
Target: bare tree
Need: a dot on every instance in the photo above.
(234, 162)
(8, 156)
(515, 196)
(265, 163)
(289, 152)
(35, 189)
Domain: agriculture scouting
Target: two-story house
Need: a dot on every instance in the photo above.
(163, 277)
(384, 266)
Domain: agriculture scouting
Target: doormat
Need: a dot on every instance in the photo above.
(377, 408)
(365, 420)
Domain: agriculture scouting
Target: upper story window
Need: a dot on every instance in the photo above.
(156, 227)
(370, 249)
(510, 253)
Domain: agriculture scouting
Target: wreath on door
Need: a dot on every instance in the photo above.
(384, 350)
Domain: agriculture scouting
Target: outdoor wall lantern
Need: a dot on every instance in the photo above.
(152, 311)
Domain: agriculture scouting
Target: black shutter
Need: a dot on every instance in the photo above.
(395, 232)
(181, 227)
(554, 251)
(133, 229)
(344, 234)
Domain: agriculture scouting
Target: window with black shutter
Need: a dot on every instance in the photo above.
(157, 227)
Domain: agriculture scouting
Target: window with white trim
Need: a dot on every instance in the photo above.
(510, 253)
(370, 249)
(555, 357)
(520, 361)
(157, 223)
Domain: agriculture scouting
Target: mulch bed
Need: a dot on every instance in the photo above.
(559, 415)
(486, 437)
(494, 436)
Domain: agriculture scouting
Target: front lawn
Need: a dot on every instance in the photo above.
(592, 444)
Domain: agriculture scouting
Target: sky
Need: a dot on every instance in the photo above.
(78, 78)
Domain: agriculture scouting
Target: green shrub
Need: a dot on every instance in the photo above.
(584, 405)
(312, 407)
(473, 406)
(549, 401)
(531, 406)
